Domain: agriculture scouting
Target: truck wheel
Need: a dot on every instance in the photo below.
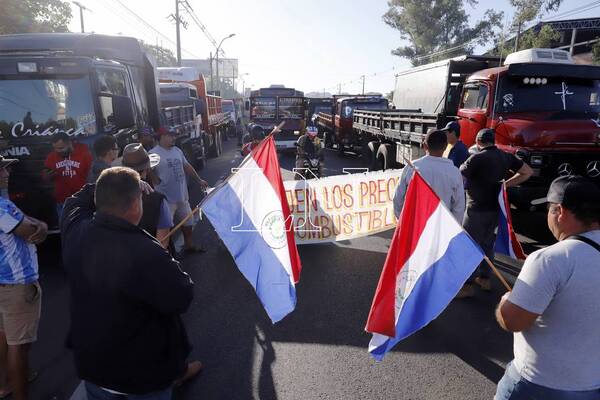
(340, 149)
(328, 140)
(369, 153)
(385, 156)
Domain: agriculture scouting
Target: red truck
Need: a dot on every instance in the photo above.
(543, 106)
(212, 120)
(336, 126)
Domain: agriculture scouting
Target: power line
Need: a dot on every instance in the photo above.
(190, 11)
(152, 28)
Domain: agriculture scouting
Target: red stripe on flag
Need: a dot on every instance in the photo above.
(265, 155)
(420, 202)
(514, 241)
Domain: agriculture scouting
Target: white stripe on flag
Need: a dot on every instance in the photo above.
(259, 199)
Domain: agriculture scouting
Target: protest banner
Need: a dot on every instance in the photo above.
(342, 207)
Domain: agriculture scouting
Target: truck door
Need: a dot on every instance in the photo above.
(473, 110)
(115, 98)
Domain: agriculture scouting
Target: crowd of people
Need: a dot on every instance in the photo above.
(553, 309)
(116, 214)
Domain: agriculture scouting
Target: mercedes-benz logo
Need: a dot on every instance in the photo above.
(593, 169)
(565, 169)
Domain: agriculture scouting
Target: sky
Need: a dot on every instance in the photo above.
(311, 45)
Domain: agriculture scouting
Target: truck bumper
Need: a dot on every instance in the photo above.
(285, 145)
(521, 196)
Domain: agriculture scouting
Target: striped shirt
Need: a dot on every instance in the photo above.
(18, 258)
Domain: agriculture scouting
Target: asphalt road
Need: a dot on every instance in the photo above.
(320, 350)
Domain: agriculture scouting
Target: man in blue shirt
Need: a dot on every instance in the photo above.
(458, 152)
(20, 292)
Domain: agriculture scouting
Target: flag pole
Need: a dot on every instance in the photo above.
(486, 258)
(183, 221)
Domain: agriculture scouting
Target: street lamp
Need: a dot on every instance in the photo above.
(218, 49)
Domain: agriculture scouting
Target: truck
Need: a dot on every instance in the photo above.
(84, 84)
(270, 106)
(213, 121)
(182, 110)
(315, 105)
(336, 125)
(544, 108)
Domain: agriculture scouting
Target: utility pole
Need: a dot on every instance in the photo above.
(212, 84)
(81, 8)
(518, 37)
(217, 66)
(339, 88)
(363, 79)
(177, 22)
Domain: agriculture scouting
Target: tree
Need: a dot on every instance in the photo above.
(25, 16)
(596, 53)
(528, 10)
(544, 38)
(436, 26)
(164, 57)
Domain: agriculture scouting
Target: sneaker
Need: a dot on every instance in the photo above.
(466, 291)
(484, 283)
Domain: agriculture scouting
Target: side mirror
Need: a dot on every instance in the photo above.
(123, 110)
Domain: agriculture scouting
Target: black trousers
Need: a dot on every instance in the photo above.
(481, 225)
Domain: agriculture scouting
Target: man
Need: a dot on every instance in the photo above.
(68, 166)
(127, 294)
(106, 150)
(156, 219)
(553, 308)
(172, 171)
(457, 151)
(306, 146)
(146, 137)
(20, 292)
(443, 177)
(484, 173)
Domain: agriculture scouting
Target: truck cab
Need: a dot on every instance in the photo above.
(345, 137)
(544, 108)
(85, 84)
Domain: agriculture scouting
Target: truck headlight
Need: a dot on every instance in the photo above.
(27, 67)
(536, 161)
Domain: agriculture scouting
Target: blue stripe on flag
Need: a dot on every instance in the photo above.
(502, 244)
(253, 256)
(434, 289)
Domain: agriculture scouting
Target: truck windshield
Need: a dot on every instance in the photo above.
(264, 107)
(349, 107)
(577, 96)
(227, 107)
(291, 108)
(39, 107)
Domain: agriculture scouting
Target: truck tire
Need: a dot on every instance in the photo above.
(385, 158)
(328, 138)
(203, 154)
(219, 144)
(369, 153)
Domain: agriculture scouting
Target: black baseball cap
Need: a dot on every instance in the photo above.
(453, 126)
(5, 162)
(487, 135)
(570, 191)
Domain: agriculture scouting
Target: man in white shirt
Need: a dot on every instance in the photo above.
(440, 173)
(554, 307)
(172, 171)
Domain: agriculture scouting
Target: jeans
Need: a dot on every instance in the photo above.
(513, 387)
(95, 392)
(481, 225)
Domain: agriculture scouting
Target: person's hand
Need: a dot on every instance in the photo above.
(203, 183)
(40, 234)
(504, 297)
(145, 187)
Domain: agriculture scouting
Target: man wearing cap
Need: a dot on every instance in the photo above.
(554, 307)
(172, 170)
(484, 173)
(456, 151)
(306, 146)
(443, 177)
(146, 137)
(67, 166)
(156, 219)
(20, 292)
